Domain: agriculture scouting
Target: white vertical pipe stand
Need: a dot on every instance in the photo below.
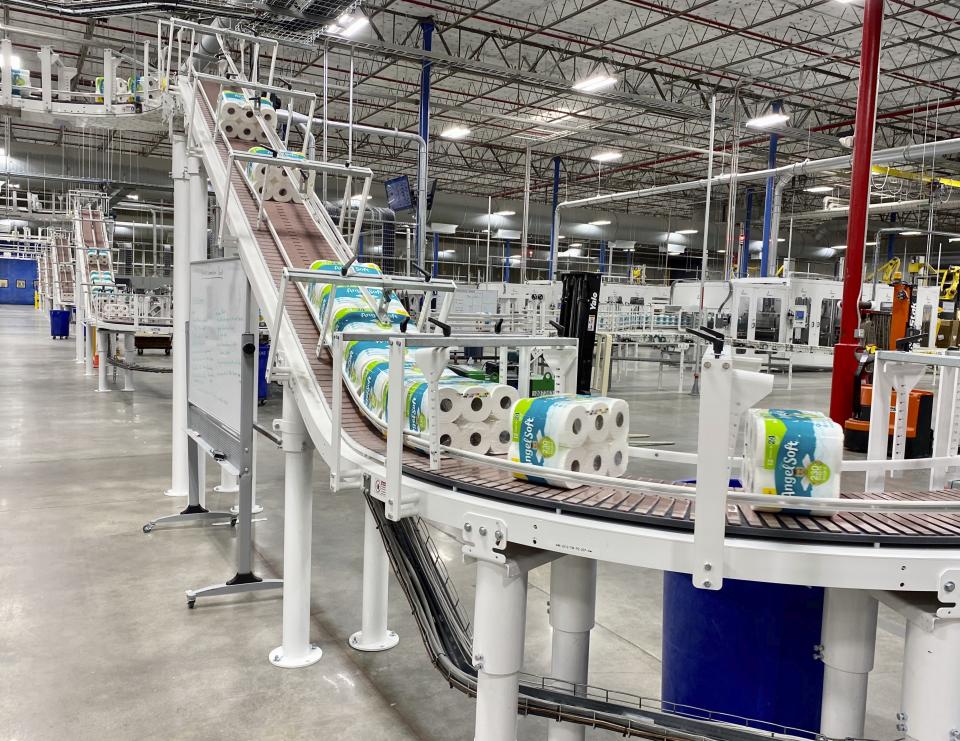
(500, 616)
(128, 352)
(374, 635)
(180, 485)
(573, 604)
(848, 642)
(228, 483)
(930, 694)
(103, 347)
(296, 650)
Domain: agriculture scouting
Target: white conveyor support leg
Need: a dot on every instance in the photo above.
(180, 484)
(374, 634)
(930, 705)
(103, 346)
(296, 650)
(500, 615)
(87, 348)
(228, 484)
(573, 603)
(128, 353)
(848, 641)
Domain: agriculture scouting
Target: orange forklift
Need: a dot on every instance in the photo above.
(920, 406)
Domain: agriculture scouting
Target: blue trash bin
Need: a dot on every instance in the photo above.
(60, 324)
(745, 651)
(263, 388)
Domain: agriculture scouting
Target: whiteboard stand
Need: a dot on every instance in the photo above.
(244, 580)
(196, 479)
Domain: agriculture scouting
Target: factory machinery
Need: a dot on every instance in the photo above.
(901, 547)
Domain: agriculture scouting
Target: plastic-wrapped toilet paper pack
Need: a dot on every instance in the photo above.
(464, 404)
(543, 428)
(789, 452)
(272, 182)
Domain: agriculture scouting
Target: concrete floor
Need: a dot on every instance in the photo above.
(96, 641)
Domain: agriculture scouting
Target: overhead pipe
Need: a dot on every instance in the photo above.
(873, 208)
(773, 235)
(427, 27)
(745, 251)
(768, 200)
(844, 353)
(908, 153)
(555, 220)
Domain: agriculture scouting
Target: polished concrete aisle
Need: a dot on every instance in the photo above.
(96, 641)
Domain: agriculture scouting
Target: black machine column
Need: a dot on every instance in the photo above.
(578, 317)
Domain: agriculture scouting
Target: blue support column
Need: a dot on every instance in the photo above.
(768, 199)
(745, 252)
(554, 237)
(426, 26)
(506, 261)
(890, 237)
(436, 253)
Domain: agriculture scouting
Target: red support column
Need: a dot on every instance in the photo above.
(844, 352)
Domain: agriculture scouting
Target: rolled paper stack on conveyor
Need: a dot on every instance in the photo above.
(788, 452)
(473, 415)
(582, 434)
(238, 116)
(273, 183)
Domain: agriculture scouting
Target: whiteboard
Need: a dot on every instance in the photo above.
(218, 319)
(474, 301)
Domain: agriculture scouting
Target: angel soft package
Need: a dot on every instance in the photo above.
(473, 415)
(788, 452)
(583, 434)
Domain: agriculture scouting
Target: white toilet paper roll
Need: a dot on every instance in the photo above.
(502, 399)
(452, 403)
(453, 437)
(477, 406)
(476, 437)
(565, 459)
(596, 459)
(499, 434)
(598, 412)
(618, 459)
(618, 419)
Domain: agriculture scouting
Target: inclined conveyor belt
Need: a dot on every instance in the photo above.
(299, 243)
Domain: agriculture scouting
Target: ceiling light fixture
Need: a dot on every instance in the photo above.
(839, 247)
(911, 233)
(455, 132)
(594, 82)
(575, 245)
(609, 156)
(767, 121)
(348, 25)
(686, 231)
(819, 189)
(954, 239)
(133, 197)
(504, 213)
(600, 222)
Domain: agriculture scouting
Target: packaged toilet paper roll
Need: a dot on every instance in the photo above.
(561, 459)
(476, 437)
(789, 452)
(596, 459)
(618, 419)
(476, 401)
(618, 459)
(500, 434)
(598, 412)
(502, 399)
(561, 420)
